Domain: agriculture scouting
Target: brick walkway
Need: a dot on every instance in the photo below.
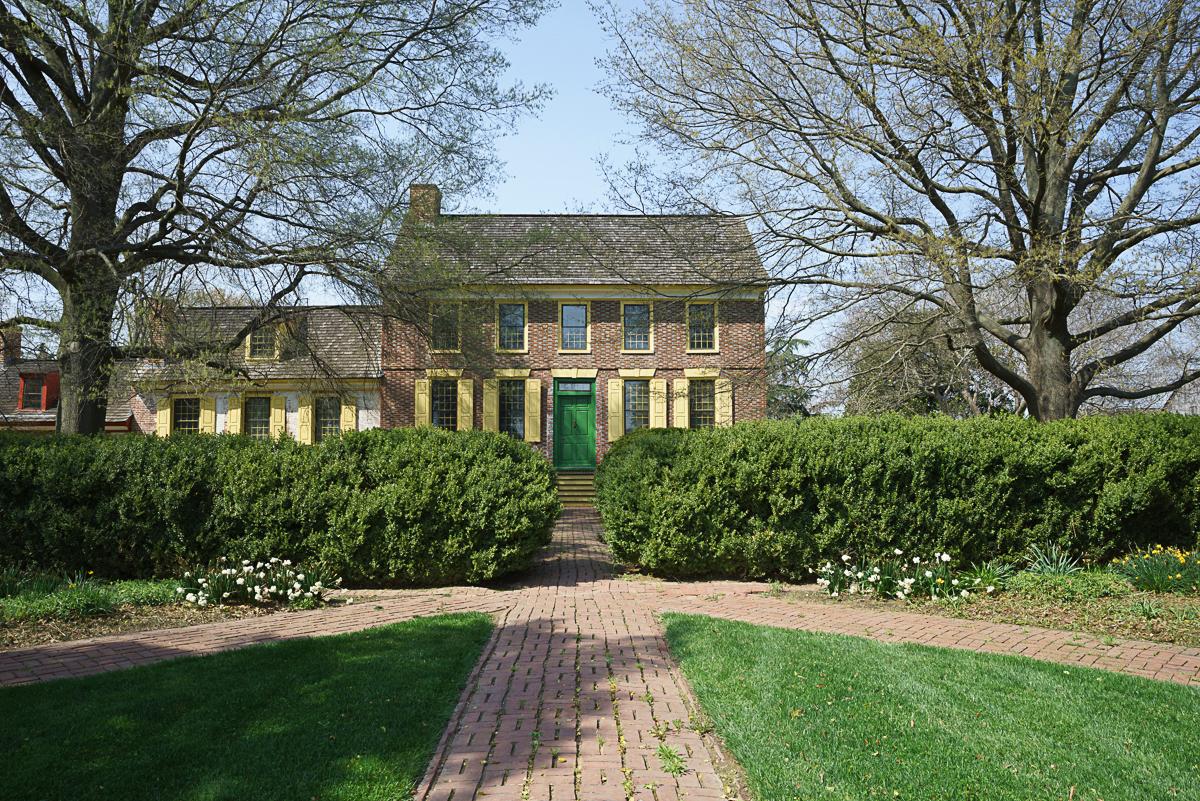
(575, 696)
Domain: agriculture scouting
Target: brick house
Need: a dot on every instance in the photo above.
(569, 330)
(565, 331)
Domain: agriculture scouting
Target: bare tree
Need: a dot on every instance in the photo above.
(1011, 163)
(144, 143)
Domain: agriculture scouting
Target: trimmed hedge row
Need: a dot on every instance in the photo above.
(404, 507)
(769, 499)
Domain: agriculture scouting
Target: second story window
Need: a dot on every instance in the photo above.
(702, 326)
(573, 320)
(327, 417)
(512, 408)
(33, 387)
(511, 318)
(443, 405)
(444, 326)
(185, 416)
(702, 403)
(637, 405)
(256, 417)
(635, 326)
(261, 344)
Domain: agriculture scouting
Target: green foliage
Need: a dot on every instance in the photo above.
(413, 506)
(1084, 585)
(773, 498)
(1161, 569)
(44, 596)
(1051, 561)
(992, 573)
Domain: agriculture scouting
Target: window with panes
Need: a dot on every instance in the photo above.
(574, 324)
(512, 326)
(327, 420)
(262, 343)
(702, 404)
(702, 326)
(512, 408)
(636, 325)
(32, 387)
(443, 404)
(185, 416)
(444, 326)
(637, 405)
(256, 417)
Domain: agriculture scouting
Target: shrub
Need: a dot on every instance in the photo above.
(1085, 585)
(772, 498)
(403, 507)
(1160, 569)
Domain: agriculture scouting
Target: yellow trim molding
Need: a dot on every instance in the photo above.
(575, 372)
(638, 372)
(444, 372)
(702, 372)
(512, 372)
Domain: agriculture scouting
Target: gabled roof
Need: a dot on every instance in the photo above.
(118, 410)
(319, 342)
(604, 249)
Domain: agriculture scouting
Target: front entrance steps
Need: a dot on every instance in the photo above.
(577, 488)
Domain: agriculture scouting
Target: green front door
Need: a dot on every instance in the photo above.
(574, 424)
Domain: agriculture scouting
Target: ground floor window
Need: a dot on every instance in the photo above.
(444, 404)
(185, 416)
(512, 408)
(637, 405)
(256, 417)
(702, 404)
(328, 417)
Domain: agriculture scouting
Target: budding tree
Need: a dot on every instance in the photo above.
(151, 143)
(1016, 167)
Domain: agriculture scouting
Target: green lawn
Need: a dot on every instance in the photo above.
(355, 716)
(42, 596)
(819, 716)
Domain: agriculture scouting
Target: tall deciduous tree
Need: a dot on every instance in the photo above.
(146, 142)
(1018, 165)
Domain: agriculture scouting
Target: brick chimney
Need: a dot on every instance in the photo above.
(424, 203)
(10, 344)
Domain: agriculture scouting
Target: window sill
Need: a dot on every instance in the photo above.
(512, 352)
(439, 350)
(702, 352)
(625, 352)
(574, 352)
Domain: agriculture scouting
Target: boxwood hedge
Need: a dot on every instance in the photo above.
(768, 499)
(401, 507)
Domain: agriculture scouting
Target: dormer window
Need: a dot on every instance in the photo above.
(262, 343)
(38, 392)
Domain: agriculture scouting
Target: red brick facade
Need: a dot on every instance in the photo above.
(740, 357)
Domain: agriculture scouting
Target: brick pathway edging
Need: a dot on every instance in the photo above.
(575, 695)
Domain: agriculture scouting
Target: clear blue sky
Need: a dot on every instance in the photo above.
(550, 161)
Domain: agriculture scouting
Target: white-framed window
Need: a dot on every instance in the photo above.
(574, 327)
(637, 320)
(512, 320)
(701, 321)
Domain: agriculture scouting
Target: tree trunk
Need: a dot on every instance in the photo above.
(1049, 354)
(85, 357)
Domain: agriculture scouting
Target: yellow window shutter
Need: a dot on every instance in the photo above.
(233, 419)
(724, 391)
(466, 404)
(305, 419)
(208, 415)
(278, 416)
(616, 420)
(349, 421)
(162, 417)
(533, 410)
(491, 404)
(679, 390)
(421, 402)
(658, 403)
